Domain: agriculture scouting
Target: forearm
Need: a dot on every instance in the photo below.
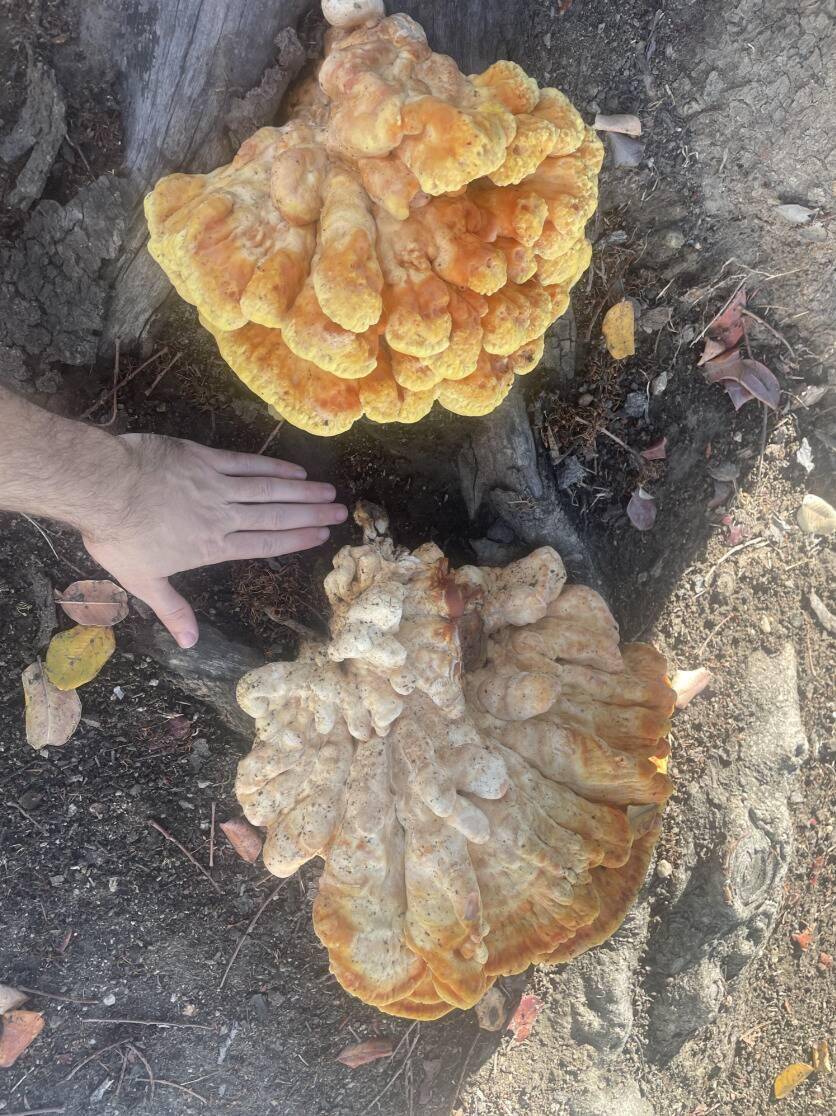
(54, 467)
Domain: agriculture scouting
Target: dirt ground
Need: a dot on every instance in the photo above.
(112, 923)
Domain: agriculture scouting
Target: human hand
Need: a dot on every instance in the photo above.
(183, 505)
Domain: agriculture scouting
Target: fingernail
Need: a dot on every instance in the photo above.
(340, 513)
(298, 472)
(328, 491)
(322, 534)
(187, 639)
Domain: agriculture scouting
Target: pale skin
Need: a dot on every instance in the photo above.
(148, 507)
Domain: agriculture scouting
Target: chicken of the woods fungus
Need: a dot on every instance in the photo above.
(407, 236)
(475, 758)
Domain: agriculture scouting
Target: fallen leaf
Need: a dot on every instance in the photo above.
(744, 380)
(52, 715)
(641, 510)
(656, 451)
(727, 328)
(803, 938)
(686, 684)
(244, 838)
(792, 1076)
(654, 319)
(524, 1017)
(715, 350)
(825, 960)
(178, 727)
(98, 604)
(490, 1011)
(821, 1057)
(804, 456)
(363, 1052)
(76, 656)
(795, 214)
(618, 122)
(626, 151)
(619, 330)
(10, 998)
(20, 1029)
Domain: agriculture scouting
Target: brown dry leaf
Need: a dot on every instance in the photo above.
(52, 715)
(524, 1017)
(618, 122)
(727, 327)
(656, 451)
(789, 1078)
(821, 1057)
(825, 960)
(715, 350)
(244, 838)
(641, 510)
(99, 604)
(686, 684)
(490, 1011)
(619, 330)
(20, 1029)
(803, 938)
(10, 998)
(361, 1053)
(77, 655)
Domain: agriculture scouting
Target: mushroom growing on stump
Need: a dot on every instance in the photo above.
(407, 236)
(475, 759)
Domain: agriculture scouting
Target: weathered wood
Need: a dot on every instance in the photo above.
(475, 32)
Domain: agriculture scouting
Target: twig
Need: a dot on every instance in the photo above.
(174, 1085)
(612, 437)
(115, 408)
(271, 436)
(53, 995)
(150, 1023)
(775, 332)
(160, 375)
(122, 1072)
(713, 633)
(212, 840)
(48, 542)
(464, 1071)
(249, 929)
(103, 398)
(397, 1072)
(35, 1111)
(185, 852)
(138, 1054)
(89, 1058)
(28, 817)
(78, 151)
(759, 541)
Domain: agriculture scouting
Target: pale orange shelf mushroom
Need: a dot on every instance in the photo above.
(476, 760)
(407, 236)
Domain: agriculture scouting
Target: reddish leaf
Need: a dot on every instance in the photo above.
(178, 727)
(97, 604)
(656, 451)
(363, 1052)
(714, 350)
(802, 938)
(524, 1017)
(641, 510)
(20, 1029)
(744, 380)
(727, 327)
(244, 838)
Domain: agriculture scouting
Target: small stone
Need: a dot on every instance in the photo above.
(56, 881)
(585, 400)
(108, 999)
(664, 869)
(765, 625)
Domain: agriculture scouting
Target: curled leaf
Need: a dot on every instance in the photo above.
(744, 380)
(641, 510)
(52, 715)
(76, 656)
(244, 838)
(524, 1017)
(618, 122)
(656, 451)
(361, 1053)
(619, 330)
(821, 1057)
(99, 604)
(715, 350)
(10, 998)
(686, 684)
(20, 1029)
(789, 1078)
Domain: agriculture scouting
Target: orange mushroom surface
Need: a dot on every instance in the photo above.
(475, 758)
(407, 236)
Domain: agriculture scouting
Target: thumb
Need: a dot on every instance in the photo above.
(173, 610)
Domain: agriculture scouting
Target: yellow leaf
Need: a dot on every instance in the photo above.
(619, 330)
(52, 715)
(660, 763)
(821, 1057)
(75, 656)
(793, 1075)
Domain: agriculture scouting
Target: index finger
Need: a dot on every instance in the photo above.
(251, 464)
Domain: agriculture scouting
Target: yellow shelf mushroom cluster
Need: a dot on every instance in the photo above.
(407, 236)
(476, 760)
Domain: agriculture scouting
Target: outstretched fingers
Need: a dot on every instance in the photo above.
(272, 544)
